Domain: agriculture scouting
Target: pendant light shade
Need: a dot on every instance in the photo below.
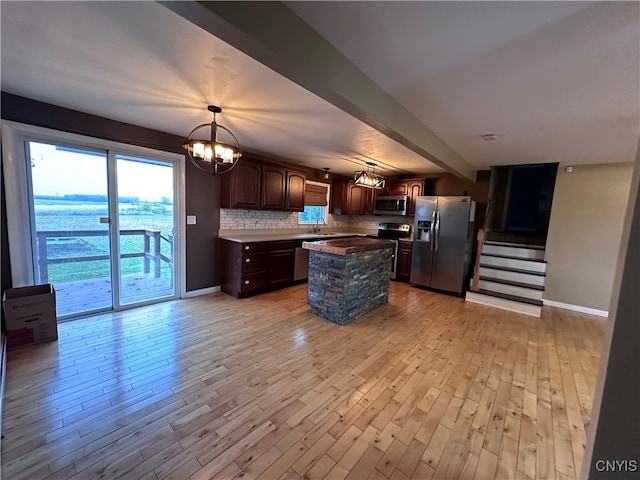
(368, 178)
(207, 152)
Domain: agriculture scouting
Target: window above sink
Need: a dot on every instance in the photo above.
(316, 203)
(311, 214)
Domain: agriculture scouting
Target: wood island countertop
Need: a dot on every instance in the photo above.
(346, 246)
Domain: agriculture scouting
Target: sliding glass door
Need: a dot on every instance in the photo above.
(146, 221)
(71, 247)
(103, 226)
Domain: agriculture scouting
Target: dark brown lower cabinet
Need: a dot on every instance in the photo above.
(250, 268)
(403, 267)
(280, 263)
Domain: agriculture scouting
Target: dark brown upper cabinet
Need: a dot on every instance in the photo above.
(348, 198)
(356, 199)
(370, 200)
(415, 189)
(259, 186)
(399, 188)
(273, 188)
(295, 191)
(240, 188)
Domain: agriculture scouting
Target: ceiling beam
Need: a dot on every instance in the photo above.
(273, 35)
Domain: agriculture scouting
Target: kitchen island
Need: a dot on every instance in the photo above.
(348, 277)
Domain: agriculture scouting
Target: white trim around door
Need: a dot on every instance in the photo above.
(14, 136)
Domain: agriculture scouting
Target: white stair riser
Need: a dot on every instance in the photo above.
(513, 251)
(512, 276)
(504, 304)
(528, 265)
(524, 292)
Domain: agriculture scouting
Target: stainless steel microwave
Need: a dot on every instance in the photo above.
(391, 205)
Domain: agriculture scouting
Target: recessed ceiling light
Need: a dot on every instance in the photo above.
(489, 137)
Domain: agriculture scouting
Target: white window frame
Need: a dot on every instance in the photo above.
(14, 159)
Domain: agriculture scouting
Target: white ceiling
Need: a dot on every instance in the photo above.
(555, 81)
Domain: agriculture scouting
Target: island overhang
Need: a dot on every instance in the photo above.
(346, 246)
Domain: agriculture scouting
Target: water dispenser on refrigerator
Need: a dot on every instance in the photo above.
(423, 233)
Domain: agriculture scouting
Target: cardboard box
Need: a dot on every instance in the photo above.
(30, 315)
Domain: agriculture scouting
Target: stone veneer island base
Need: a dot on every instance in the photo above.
(348, 277)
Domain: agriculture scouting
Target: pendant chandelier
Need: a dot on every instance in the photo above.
(368, 178)
(212, 155)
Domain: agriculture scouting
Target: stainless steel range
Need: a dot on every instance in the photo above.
(393, 231)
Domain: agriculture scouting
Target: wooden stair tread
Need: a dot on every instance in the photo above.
(513, 283)
(514, 298)
(511, 257)
(516, 237)
(514, 270)
(514, 245)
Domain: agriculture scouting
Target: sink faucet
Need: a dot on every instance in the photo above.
(316, 229)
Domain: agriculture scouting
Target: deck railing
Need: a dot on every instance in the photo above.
(152, 254)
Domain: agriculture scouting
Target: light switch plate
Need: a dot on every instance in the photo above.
(191, 219)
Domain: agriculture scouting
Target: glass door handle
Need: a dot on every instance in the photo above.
(105, 220)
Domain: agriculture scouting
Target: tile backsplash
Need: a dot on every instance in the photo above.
(372, 221)
(237, 219)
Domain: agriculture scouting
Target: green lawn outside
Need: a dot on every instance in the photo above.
(75, 216)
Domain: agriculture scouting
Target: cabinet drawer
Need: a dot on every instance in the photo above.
(283, 245)
(254, 247)
(253, 281)
(254, 262)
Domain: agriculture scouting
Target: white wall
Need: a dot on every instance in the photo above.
(585, 231)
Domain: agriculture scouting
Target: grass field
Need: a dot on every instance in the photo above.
(70, 216)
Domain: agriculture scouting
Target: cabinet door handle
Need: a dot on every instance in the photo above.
(246, 282)
(246, 247)
(247, 260)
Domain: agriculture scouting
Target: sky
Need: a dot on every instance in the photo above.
(61, 172)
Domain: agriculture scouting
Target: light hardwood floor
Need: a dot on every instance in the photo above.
(427, 386)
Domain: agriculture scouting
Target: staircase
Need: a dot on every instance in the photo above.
(511, 277)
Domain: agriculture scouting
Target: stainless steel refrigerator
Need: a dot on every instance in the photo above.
(442, 242)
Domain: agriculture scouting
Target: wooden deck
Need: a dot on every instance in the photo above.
(88, 295)
(427, 386)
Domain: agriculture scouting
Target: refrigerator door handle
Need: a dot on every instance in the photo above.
(433, 230)
(437, 232)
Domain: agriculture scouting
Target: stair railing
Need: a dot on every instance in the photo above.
(475, 282)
